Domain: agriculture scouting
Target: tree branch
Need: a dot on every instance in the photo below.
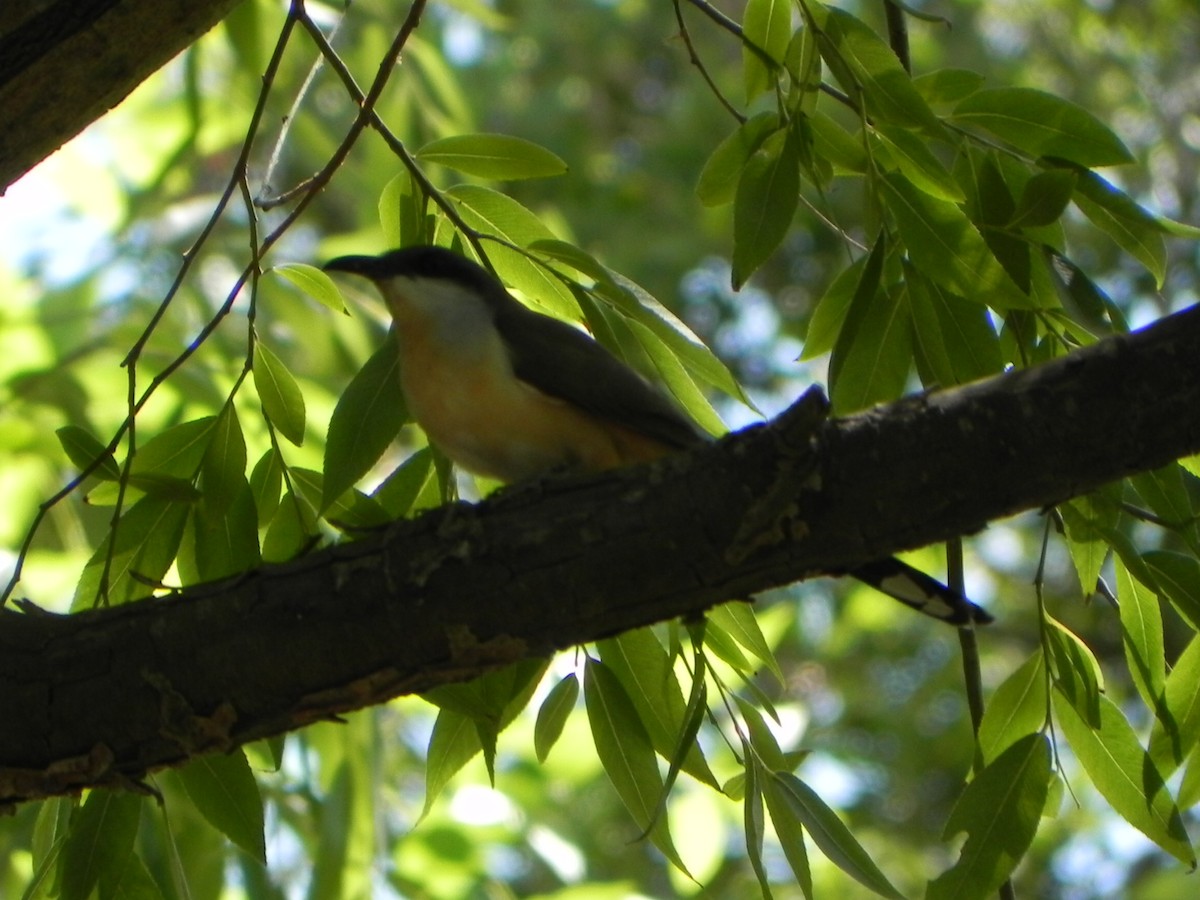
(67, 63)
(105, 696)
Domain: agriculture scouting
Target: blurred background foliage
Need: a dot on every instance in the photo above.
(91, 241)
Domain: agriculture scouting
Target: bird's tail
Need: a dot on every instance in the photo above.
(914, 588)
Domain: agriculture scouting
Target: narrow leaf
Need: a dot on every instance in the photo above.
(313, 282)
(999, 810)
(497, 156)
(1043, 124)
(626, 753)
(1124, 775)
(223, 789)
(1142, 635)
(830, 834)
(1117, 215)
(767, 195)
(223, 468)
(718, 180)
(1017, 708)
(1176, 731)
(366, 419)
(280, 395)
(100, 841)
(83, 449)
(552, 716)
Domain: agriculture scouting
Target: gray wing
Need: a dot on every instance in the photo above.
(563, 362)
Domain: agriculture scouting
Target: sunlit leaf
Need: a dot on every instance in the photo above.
(948, 85)
(796, 799)
(947, 248)
(718, 180)
(913, 157)
(494, 213)
(226, 540)
(767, 24)
(1077, 673)
(1176, 731)
(1142, 635)
(865, 65)
(500, 157)
(1043, 125)
(280, 395)
(84, 449)
(753, 823)
(553, 714)
(313, 282)
(1043, 198)
(626, 753)
(148, 537)
(640, 663)
(1178, 576)
(738, 620)
(1018, 707)
(1124, 775)
(1113, 212)
(999, 811)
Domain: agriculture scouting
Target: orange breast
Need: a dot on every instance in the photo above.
(475, 409)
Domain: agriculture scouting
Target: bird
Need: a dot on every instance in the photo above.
(513, 394)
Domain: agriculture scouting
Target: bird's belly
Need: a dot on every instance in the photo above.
(491, 423)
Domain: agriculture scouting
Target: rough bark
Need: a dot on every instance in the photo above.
(106, 696)
(65, 63)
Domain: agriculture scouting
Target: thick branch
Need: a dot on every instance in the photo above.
(111, 694)
(65, 63)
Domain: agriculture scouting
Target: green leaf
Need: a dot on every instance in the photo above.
(1142, 635)
(400, 492)
(953, 339)
(293, 529)
(280, 395)
(453, 744)
(223, 468)
(100, 841)
(497, 214)
(313, 282)
(1017, 708)
(148, 537)
(553, 714)
(753, 824)
(1178, 576)
(947, 248)
(1043, 199)
(640, 663)
(1043, 124)
(767, 195)
(871, 359)
(790, 831)
(637, 303)
(1176, 730)
(500, 157)
(838, 146)
(737, 619)
(402, 212)
(1124, 775)
(1086, 544)
(1076, 671)
(867, 67)
(672, 373)
(718, 180)
(133, 882)
(999, 811)
(83, 449)
(177, 452)
(626, 753)
(226, 540)
(767, 24)
(1135, 230)
(830, 315)
(266, 481)
(366, 419)
(223, 790)
(916, 161)
(948, 85)
(828, 832)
